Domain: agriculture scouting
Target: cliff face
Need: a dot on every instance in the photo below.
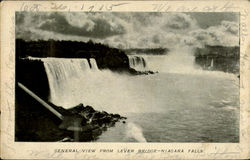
(105, 56)
(219, 58)
(35, 123)
(32, 74)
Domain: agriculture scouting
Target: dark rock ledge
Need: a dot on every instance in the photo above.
(34, 123)
(85, 119)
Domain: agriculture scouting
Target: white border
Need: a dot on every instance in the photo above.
(20, 150)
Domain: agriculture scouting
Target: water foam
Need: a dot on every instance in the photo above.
(135, 132)
(64, 76)
(137, 62)
(93, 64)
(73, 81)
(178, 61)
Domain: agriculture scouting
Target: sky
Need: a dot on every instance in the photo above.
(131, 29)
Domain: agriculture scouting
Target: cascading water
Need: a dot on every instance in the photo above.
(93, 64)
(179, 60)
(137, 62)
(68, 76)
(64, 75)
(152, 102)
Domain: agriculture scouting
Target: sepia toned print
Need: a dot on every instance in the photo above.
(127, 77)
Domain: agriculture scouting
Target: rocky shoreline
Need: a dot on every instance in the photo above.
(80, 123)
(87, 121)
(36, 124)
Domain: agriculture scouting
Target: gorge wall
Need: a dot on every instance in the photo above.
(220, 58)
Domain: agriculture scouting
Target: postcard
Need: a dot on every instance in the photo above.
(125, 80)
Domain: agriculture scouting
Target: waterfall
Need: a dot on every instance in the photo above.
(64, 74)
(179, 60)
(137, 62)
(93, 64)
(74, 81)
(61, 72)
(172, 63)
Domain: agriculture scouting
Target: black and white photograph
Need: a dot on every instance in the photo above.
(129, 77)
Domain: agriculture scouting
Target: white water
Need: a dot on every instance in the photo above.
(93, 64)
(134, 131)
(180, 60)
(180, 103)
(62, 73)
(137, 62)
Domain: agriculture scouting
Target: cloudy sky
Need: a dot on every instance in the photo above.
(132, 30)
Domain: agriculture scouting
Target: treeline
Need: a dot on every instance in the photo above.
(218, 51)
(152, 51)
(106, 57)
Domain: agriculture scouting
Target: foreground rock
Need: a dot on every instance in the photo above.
(34, 123)
(85, 121)
(85, 118)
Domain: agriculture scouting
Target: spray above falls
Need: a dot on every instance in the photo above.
(177, 60)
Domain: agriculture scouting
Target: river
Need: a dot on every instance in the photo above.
(181, 103)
